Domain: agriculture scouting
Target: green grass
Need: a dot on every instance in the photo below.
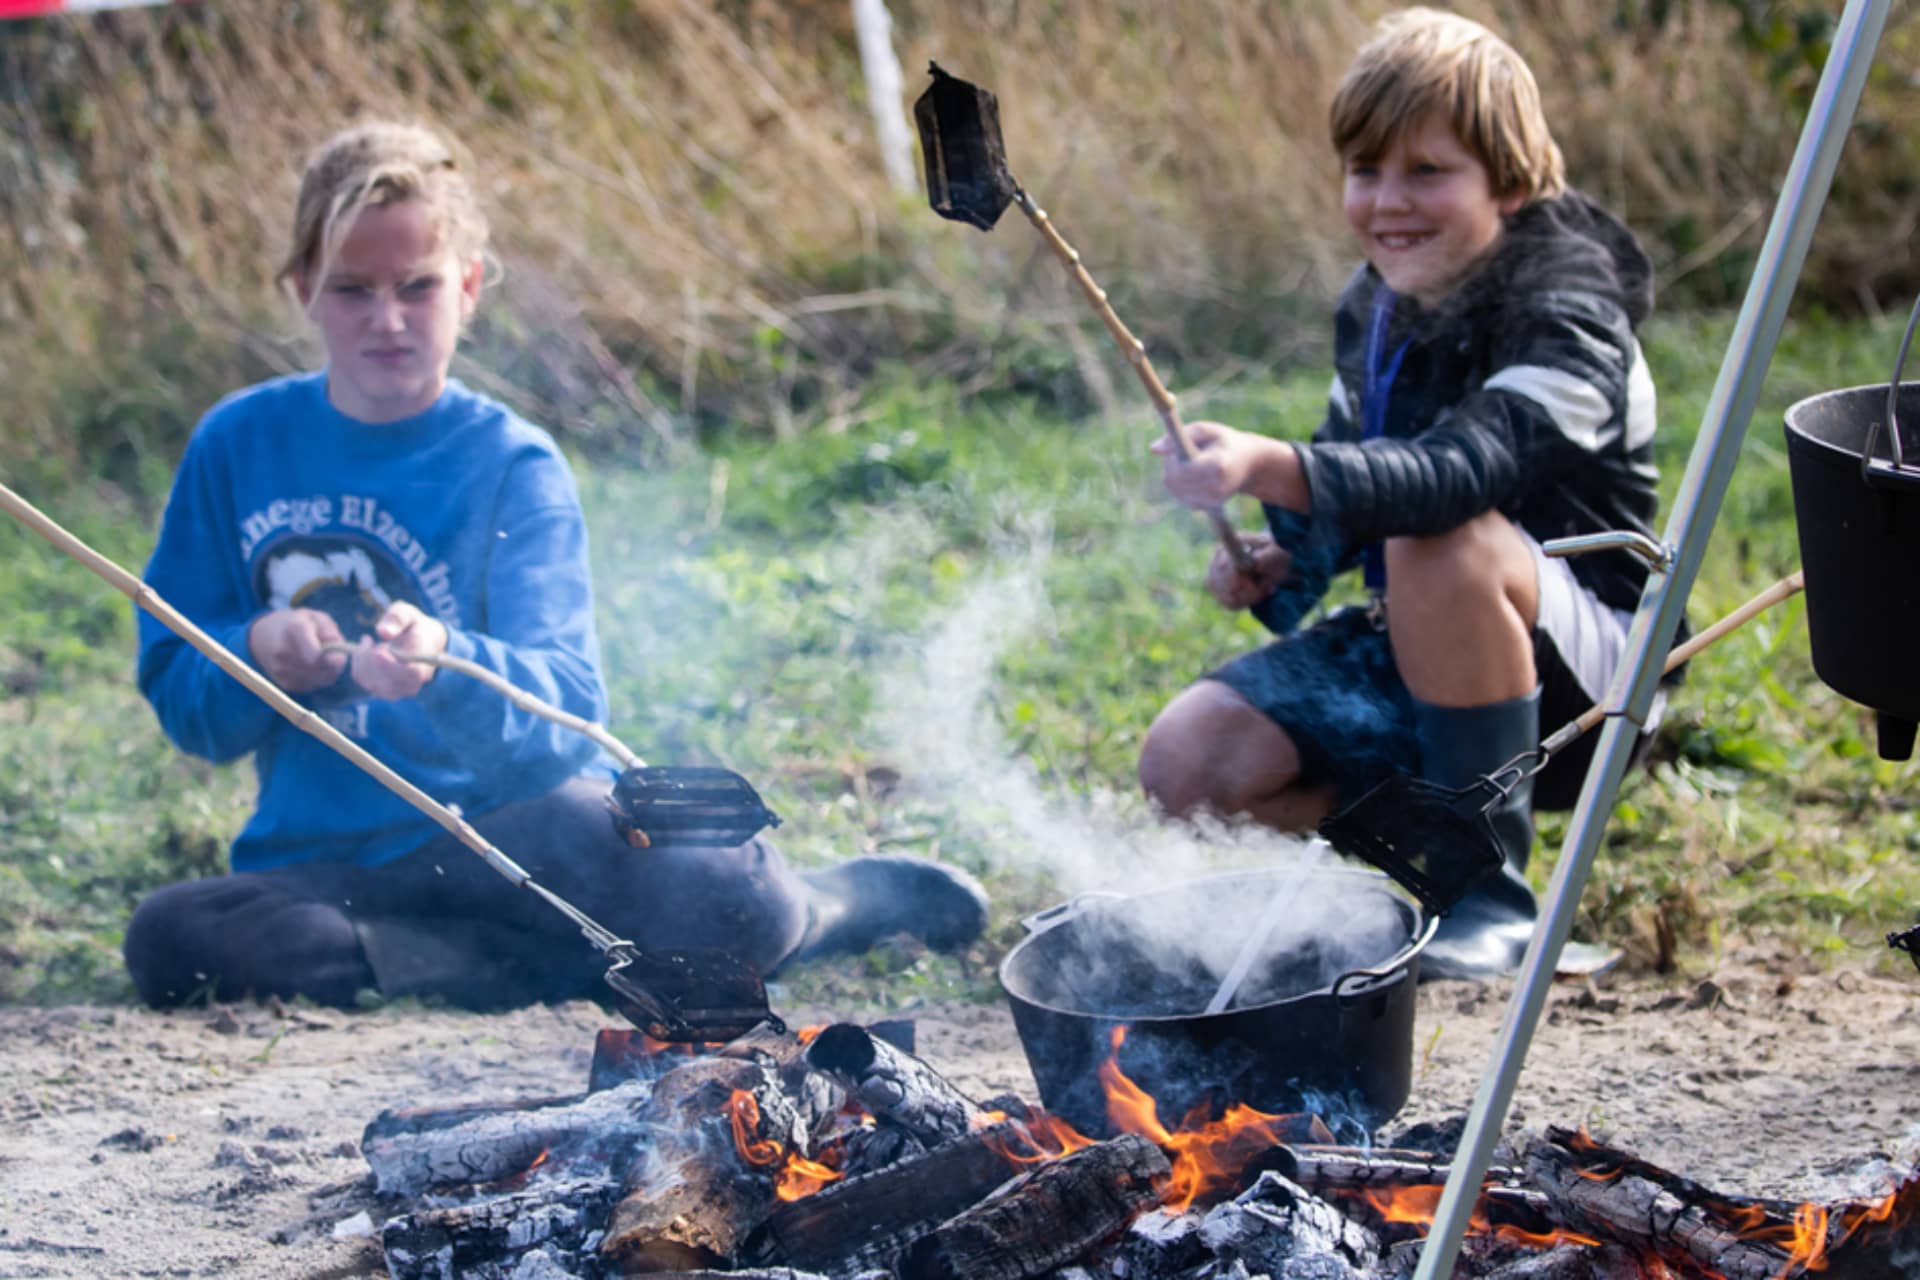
(945, 630)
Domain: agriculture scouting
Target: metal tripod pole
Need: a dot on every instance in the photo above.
(1723, 427)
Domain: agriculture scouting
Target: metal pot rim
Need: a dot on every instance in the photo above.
(1352, 984)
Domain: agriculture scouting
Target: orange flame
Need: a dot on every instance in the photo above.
(798, 1176)
(806, 1035)
(1417, 1206)
(801, 1177)
(743, 1109)
(1043, 1137)
(1207, 1155)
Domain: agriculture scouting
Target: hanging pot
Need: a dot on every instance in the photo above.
(1854, 457)
(1324, 1021)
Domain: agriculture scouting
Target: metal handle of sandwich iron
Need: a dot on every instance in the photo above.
(519, 697)
(1136, 354)
(1696, 505)
(147, 598)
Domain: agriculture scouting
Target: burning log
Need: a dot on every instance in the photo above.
(872, 1218)
(1046, 1217)
(893, 1084)
(1321, 1168)
(1626, 1200)
(415, 1150)
(1664, 1214)
(488, 1237)
(722, 1129)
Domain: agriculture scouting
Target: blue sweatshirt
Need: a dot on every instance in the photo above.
(465, 510)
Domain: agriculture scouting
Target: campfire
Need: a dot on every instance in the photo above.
(836, 1152)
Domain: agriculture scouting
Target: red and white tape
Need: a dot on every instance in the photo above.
(40, 8)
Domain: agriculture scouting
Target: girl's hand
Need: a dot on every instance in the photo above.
(288, 645)
(1226, 461)
(379, 664)
(1236, 589)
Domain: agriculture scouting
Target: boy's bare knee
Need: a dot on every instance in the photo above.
(1170, 771)
(1210, 750)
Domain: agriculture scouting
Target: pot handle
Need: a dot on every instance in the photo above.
(1896, 474)
(1364, 982)
(1064, 911)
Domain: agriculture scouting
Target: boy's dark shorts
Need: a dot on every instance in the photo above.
(1334, 688)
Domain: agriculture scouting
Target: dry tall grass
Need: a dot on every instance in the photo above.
(697, 234)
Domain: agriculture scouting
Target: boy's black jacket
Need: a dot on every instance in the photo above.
(1523, 391)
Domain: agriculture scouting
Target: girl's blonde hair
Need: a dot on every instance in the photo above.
(379, 163)
(1424, 61)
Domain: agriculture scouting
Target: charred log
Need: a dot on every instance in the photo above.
(870, 1219)
(721, 1129)
(1276, 1221)
(1632, 1204)
(415, 1150)
(1046, 1217)
(488, 1238)
(872, 1147)
(1323, 1169)
(893, 1084)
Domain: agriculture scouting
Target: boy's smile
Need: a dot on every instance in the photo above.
(1424, 211)
(389, 310)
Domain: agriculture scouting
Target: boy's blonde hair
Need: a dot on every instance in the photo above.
(1424, 61)
(378, 163)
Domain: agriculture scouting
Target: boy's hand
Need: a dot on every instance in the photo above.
(1226, 461)
(288, 645)
(1236, 589)
(378, 664)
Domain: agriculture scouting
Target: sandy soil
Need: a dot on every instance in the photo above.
(225, 1142)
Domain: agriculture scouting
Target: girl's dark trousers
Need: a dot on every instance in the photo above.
(440, 922)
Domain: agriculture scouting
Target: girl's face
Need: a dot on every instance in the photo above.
(1424, 212)
(390, 308)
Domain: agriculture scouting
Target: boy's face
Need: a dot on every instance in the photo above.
(389, 310)
(1424, 211)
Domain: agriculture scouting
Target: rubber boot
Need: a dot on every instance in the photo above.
(1487, 932)
(854, 904)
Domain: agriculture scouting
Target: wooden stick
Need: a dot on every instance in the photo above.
(518, 696)
(1136, 354)
(1773, 595)
(303, 719)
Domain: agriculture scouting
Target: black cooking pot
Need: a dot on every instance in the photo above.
(1323, 1023)
(1856, 502)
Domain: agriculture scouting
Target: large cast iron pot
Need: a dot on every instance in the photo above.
(1856, 502)
(1324, 1021)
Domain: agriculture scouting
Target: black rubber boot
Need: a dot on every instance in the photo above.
(856, 903)
(1487, 932)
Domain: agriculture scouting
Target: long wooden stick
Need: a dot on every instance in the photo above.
(303, 719)
(519, 697)
(1136, 354)
(1773, 595)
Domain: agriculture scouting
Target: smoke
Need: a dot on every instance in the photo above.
(938, 721)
